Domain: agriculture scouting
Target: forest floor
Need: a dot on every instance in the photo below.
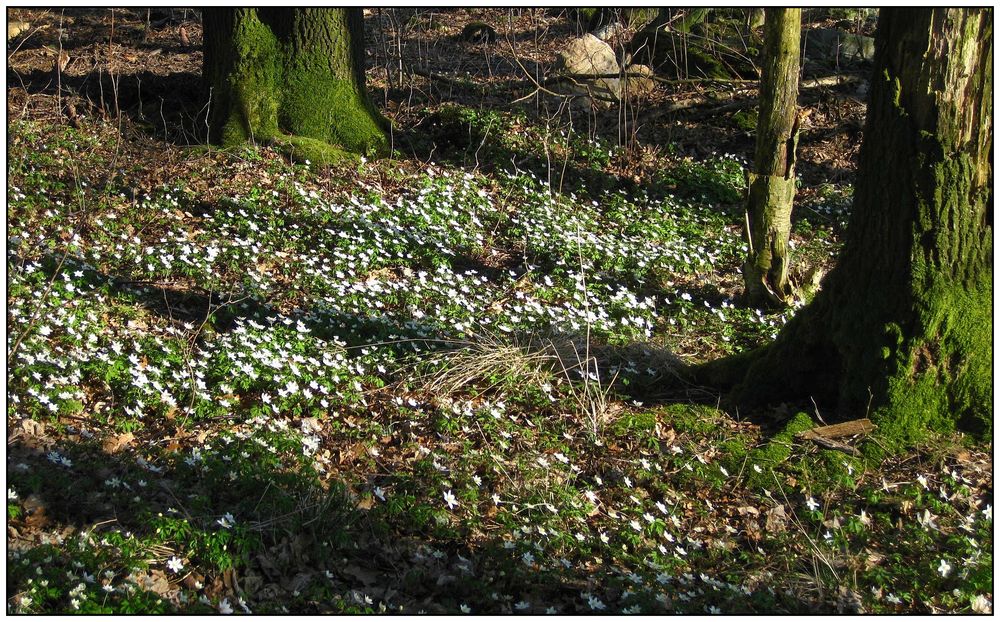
(433, 382)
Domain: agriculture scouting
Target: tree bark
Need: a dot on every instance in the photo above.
(772, 182)
(903, 325)
(290, 76)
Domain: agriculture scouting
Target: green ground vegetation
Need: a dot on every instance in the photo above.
(434, 387)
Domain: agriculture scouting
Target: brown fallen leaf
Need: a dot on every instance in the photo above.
(775, 519)
(74, 118)
(194, 581)
(32, 427)
(116, 443)
(215, 589)
(157, 582)
(230, 581)
(62, 62)
(36, 517)
(748, 509)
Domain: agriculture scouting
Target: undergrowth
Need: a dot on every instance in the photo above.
(443, 397)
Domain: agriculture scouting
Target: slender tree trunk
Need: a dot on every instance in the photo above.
(772, 182)
(903, 324)
(290, 76)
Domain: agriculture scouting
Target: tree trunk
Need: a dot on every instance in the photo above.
(903, 324)
(294, 77)
(772, 183)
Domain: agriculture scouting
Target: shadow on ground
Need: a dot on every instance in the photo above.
(295, 544)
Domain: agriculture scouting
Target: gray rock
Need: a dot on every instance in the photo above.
(641, 84)
(589, 56)
(609, 31)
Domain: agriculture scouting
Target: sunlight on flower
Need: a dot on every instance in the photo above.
(982, 604)
(595, 603)
(944, 568)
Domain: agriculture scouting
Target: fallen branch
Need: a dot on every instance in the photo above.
(741, 104)
(632, 74)
(834, 80)
(839, 430)
(576, 78)
(824, 435)
(466, 83)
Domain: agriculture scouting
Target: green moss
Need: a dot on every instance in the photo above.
(252, 83)
(940, 364)
(632, 423)
(692, 418)
(947, 381)
(776, 451)
(746, 120)
(587, 15)
(637, 17)
(329, 109)
(733, 454)
(701, 62)
(269, 86)
(828, 470)
(316, 152)
(691, 19)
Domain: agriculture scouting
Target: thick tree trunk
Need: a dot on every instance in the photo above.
(772, 182)
(903, 325)
(290, 76)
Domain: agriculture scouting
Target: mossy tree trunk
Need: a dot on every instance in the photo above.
(772, 182)
(903, 325)
(293, 77)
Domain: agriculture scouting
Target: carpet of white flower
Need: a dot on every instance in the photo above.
(225, 407)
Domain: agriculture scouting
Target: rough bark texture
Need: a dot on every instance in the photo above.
(903, 325)
(772, 183)
(294, 77)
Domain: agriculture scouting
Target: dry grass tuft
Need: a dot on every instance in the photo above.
(583, 368)
(491, 359)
